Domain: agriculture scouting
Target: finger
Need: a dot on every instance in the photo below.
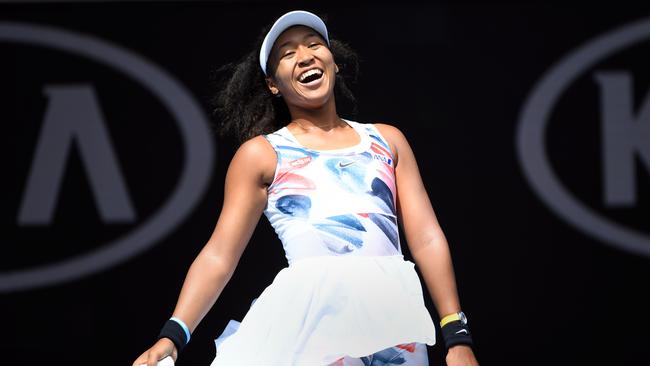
(141, 360)
(157, 355)
(169, 348)
(153, 359)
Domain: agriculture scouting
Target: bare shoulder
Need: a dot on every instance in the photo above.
(257, 156)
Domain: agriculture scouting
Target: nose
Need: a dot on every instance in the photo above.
(305, 56)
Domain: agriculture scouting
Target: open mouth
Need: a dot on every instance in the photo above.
(310, 75)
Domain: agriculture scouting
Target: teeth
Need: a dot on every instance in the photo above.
(309, 73)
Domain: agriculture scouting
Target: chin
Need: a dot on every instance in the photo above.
(315, 101)
(315, 98)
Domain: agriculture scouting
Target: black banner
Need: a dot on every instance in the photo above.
(530, 123)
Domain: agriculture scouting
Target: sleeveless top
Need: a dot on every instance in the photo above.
(348, 291)
(334, 202)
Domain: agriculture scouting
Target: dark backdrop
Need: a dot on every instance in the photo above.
(541, 282)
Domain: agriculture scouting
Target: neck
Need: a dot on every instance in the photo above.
(324, 117)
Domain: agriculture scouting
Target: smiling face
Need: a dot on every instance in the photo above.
(304, 68)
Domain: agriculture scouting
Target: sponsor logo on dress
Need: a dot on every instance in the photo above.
(383, 158)
(342, 165)
(299, 163)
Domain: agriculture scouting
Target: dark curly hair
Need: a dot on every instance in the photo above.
(244, 107)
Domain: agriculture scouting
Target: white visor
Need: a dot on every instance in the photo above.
(296, 17)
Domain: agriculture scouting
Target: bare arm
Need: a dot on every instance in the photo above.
(244, 201)
(245, 195)
(425, 239)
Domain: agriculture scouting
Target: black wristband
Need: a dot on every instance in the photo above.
(455, 333)
(175, 333)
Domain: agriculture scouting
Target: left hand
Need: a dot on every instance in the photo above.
(461, 355)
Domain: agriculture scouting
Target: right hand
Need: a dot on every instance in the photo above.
(161, 349)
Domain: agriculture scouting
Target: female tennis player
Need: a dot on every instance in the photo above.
(336, 191)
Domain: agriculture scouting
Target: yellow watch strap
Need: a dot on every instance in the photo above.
(449, 318)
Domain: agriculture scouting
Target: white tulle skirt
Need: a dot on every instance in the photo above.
(321, 309)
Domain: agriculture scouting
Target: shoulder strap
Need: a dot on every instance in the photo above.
(377, 137)
(284, 146)
(274, 138)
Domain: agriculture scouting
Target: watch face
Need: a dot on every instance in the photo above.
(463, 318)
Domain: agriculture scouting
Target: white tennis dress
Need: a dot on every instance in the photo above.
(347, 290)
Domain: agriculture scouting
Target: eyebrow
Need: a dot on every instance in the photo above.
(288, 42)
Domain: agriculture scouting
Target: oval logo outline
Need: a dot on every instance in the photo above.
(530, 136)
(197, 166)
